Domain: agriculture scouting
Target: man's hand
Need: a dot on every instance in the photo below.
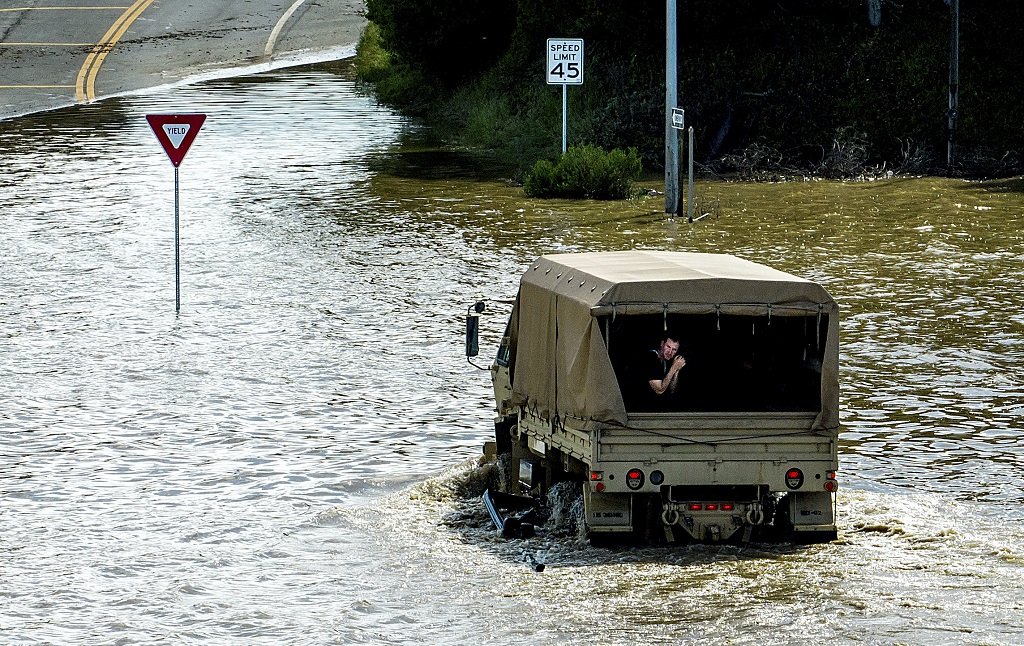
(677, 364)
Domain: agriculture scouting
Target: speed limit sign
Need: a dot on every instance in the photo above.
(565, 61)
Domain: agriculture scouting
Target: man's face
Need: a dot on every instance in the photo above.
(669, 348)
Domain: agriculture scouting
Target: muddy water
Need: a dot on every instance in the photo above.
(291, 459)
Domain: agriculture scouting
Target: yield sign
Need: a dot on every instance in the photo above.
(176, 132)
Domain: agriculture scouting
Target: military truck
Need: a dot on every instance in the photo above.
(744, 447)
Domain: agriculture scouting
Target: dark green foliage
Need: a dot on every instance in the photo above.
(586, 172)
(813, 81)
(447, 41)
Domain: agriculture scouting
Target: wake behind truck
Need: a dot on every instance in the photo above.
(745, 446)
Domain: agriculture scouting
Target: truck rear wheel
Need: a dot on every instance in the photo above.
(783, 531)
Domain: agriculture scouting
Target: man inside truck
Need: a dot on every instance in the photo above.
(660, 367)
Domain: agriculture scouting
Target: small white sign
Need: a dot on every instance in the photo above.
(565, 61)
(678, 118)
(176, 132)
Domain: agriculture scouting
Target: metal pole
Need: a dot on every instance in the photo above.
(689, 192)
(671, 97)
(954, 80)
(177, 263)
(565, 106)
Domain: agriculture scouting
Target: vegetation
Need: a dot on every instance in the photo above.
(792, 86)
(373, 62)
(586, 172)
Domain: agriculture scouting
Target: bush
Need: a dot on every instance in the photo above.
(586, 172)
(372, 60)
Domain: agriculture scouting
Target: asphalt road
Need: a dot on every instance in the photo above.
(55, 53)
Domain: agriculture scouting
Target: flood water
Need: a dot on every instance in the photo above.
(292, 458)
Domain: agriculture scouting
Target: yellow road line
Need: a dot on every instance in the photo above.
(85, 84)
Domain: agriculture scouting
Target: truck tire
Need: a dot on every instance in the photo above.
(783, 528)
(503, 434)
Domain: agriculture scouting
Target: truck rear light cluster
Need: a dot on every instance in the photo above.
(831, 485)
(794, 478)
(710, 506)
(634, 478)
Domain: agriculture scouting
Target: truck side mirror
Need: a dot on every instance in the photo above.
(472, 335)
(473, 329)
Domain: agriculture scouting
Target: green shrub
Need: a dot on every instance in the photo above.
(372, 60)
(586, 172)
(401, 85)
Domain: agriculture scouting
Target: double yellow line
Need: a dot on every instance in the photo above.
(85, 84)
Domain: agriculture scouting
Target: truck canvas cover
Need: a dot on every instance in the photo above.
(561, 367)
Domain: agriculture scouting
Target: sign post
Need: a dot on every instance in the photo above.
(176, 132)
(679, 123)
(565, 68)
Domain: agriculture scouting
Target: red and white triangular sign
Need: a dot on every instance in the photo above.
(176, 132)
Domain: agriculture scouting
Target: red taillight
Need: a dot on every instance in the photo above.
(710, 506)
(831, 485)
(596, 476)
(599, 487)
(794, 478)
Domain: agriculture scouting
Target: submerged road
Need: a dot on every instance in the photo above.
(55, 53)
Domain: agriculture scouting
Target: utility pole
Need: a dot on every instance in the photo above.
(671, 97)
(954, 81)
